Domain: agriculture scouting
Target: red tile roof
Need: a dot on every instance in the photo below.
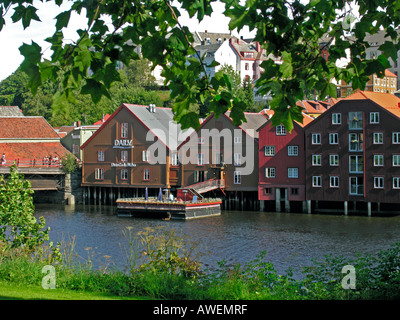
(100, 122)
(24, 151)
(386, 100)
(25, 128)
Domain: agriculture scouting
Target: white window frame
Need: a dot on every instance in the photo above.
(358, 142)
(396, 160)
(280, 130)
(237, 140)
(396, 137)
(336, 118)
(316, 181)
(200, 159)
(124, 130)
(378, 183)
(145, 155)
(316, 160)
(100, 156)
(269, 151)
(270, 172)
(334, 160)
(124, 174)
(293, 151)
(237, 177)
(374, 117)
(237, 159)
(99, 174)
(334, 181)
(174, 159)
(146, 174)
(356, 125)
(378, 160)
(293, 173)
(124, 155)
(377, 138)
(333, 138)
(396, 182)
(316, 138)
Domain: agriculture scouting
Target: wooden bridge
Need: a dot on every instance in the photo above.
(43, 174)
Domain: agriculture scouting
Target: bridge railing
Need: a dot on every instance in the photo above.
(29, 163)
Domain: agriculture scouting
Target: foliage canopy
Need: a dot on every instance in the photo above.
(289, 29)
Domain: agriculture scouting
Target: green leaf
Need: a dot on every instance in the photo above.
(63, 20)
(26, 14)
(389, 50)
(30, 65)
(286, 67)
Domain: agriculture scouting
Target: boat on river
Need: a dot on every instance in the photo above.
(168, 209)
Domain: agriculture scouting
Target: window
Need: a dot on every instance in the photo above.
(280, 130)
(333, 159)
(356, 186)
(237, 177)
(237, 160)
(378, 137)
(336, 118)
(124, 155)
(334, 182)
(316, 181)
(316, 138)
(237, 140)
(174, 161)
(293, 172)
(201, 140)
(100, 155)
(124, 174)
(378, 182)
(219, 157)
(355, 120)
(124, 130)
(293, 151)
(269, 151)
(356, 142)
(396, 137)
(145, 155)
(374, 117)
(99, 174)
(200, 159)
(267, 191)
(75, 149)
(316, 159)
(356, 164)
(378, 160)
(246, 66)
(270, 172)
(333, 138)
(146, 174)
(396, 160)
(396, 183)
(294, 191)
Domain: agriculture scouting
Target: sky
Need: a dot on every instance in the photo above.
(13, 35)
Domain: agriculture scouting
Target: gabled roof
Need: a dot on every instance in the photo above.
(268, 113)
(161, 121)
(26, 128)
(254, 121)
(387, 101)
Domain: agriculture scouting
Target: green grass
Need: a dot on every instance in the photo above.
(12, 291)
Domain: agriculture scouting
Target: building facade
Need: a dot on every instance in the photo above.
(281, 157)
(353, 153)
(134, 151)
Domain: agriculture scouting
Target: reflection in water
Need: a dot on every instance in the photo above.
(290, 240)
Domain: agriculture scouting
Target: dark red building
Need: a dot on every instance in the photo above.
(282, 165)
(353, 153)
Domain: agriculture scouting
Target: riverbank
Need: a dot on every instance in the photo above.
(166, 270)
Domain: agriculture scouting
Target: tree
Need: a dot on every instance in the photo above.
(288, 29)
(18, 225)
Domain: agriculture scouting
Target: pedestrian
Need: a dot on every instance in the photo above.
(3, 159)
(50, 158)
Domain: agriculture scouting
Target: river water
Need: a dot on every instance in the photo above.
(290, 239)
